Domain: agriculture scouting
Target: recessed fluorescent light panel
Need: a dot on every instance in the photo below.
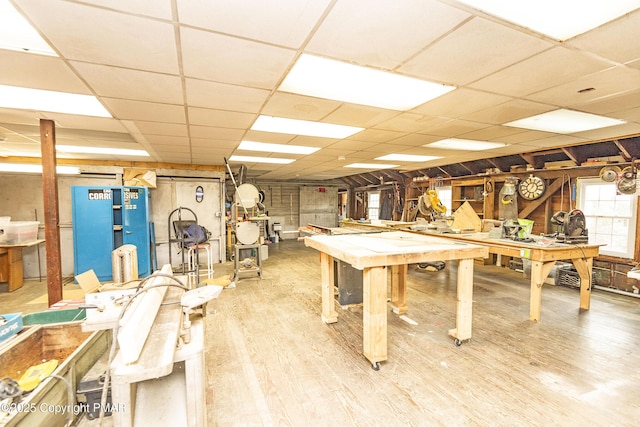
(101, 150)
(276, 148)
(33, 168)
(303, 127)
(464, 144)
(17, 34)
(565, 121)
(250, 159)
(47, 100)
(560, 20)
(340, 81)
(370, 166)
(407, 158)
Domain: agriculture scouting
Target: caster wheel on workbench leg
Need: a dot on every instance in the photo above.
(457, 342)
(375, 366)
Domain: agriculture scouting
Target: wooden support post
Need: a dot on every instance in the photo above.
(539, 273)
(585, 270)
(51, 213)
(374, 316)
(464, 303)
(327, 271)
(399, 289)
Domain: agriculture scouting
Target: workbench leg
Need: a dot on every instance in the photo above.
(327, 270)
(374, 316)
(14, 261)
(539, 273)
(464, 305)
(585, 269)
(399, 289)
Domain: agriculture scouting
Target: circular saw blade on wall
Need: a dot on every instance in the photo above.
(627, 186)
(627, 181)
(609, 173)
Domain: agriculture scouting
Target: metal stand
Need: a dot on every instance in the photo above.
(178, 220)
(256, 261)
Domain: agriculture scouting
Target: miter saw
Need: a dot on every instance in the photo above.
(571, 227)
(429, 205)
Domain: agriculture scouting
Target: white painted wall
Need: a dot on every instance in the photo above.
(21, 198)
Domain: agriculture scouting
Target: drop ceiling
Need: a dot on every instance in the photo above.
(185, 80)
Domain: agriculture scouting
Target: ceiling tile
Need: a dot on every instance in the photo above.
(216, 133)
(613, 81)
(492, 133)
(359, 115)
(145, 111)
(15, 116)
(375, 135)
(156, 128)
(411, 122)
(509, 111)
(84, 122)
(454, 128)
(352, 145)
(124, 83)
(105, 37)
(474, 50)
(271, 137)
(523, 137)
(161, 140)
(382, 33)
(614, 41)
(213, 144)
(155, 8)
(25, 70)
(222, 58)
(459, 102)
(220, 118)
(221, 96)
(613, 104)
(552, 142)
(281, 23)
(292, 106)
(627, 129)
(546, 70)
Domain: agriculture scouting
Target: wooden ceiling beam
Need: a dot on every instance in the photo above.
(533, 159)
(629, 148)
(575, 155)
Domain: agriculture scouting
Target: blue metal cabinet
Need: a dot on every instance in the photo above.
(105, 218)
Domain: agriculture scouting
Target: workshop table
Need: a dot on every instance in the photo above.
(377, 253)
(542, 258)
(11, 265)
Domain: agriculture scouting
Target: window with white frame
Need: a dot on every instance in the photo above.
(444, 194)
(373, 205)
(610, 216)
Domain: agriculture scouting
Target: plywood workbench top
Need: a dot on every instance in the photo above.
(393, 248)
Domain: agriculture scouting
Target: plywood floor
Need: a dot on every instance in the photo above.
(271, 361)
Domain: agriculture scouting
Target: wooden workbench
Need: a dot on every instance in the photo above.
(11, 265)
(374, 253)
(543, 258)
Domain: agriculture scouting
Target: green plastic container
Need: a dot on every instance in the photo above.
(54, 316)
